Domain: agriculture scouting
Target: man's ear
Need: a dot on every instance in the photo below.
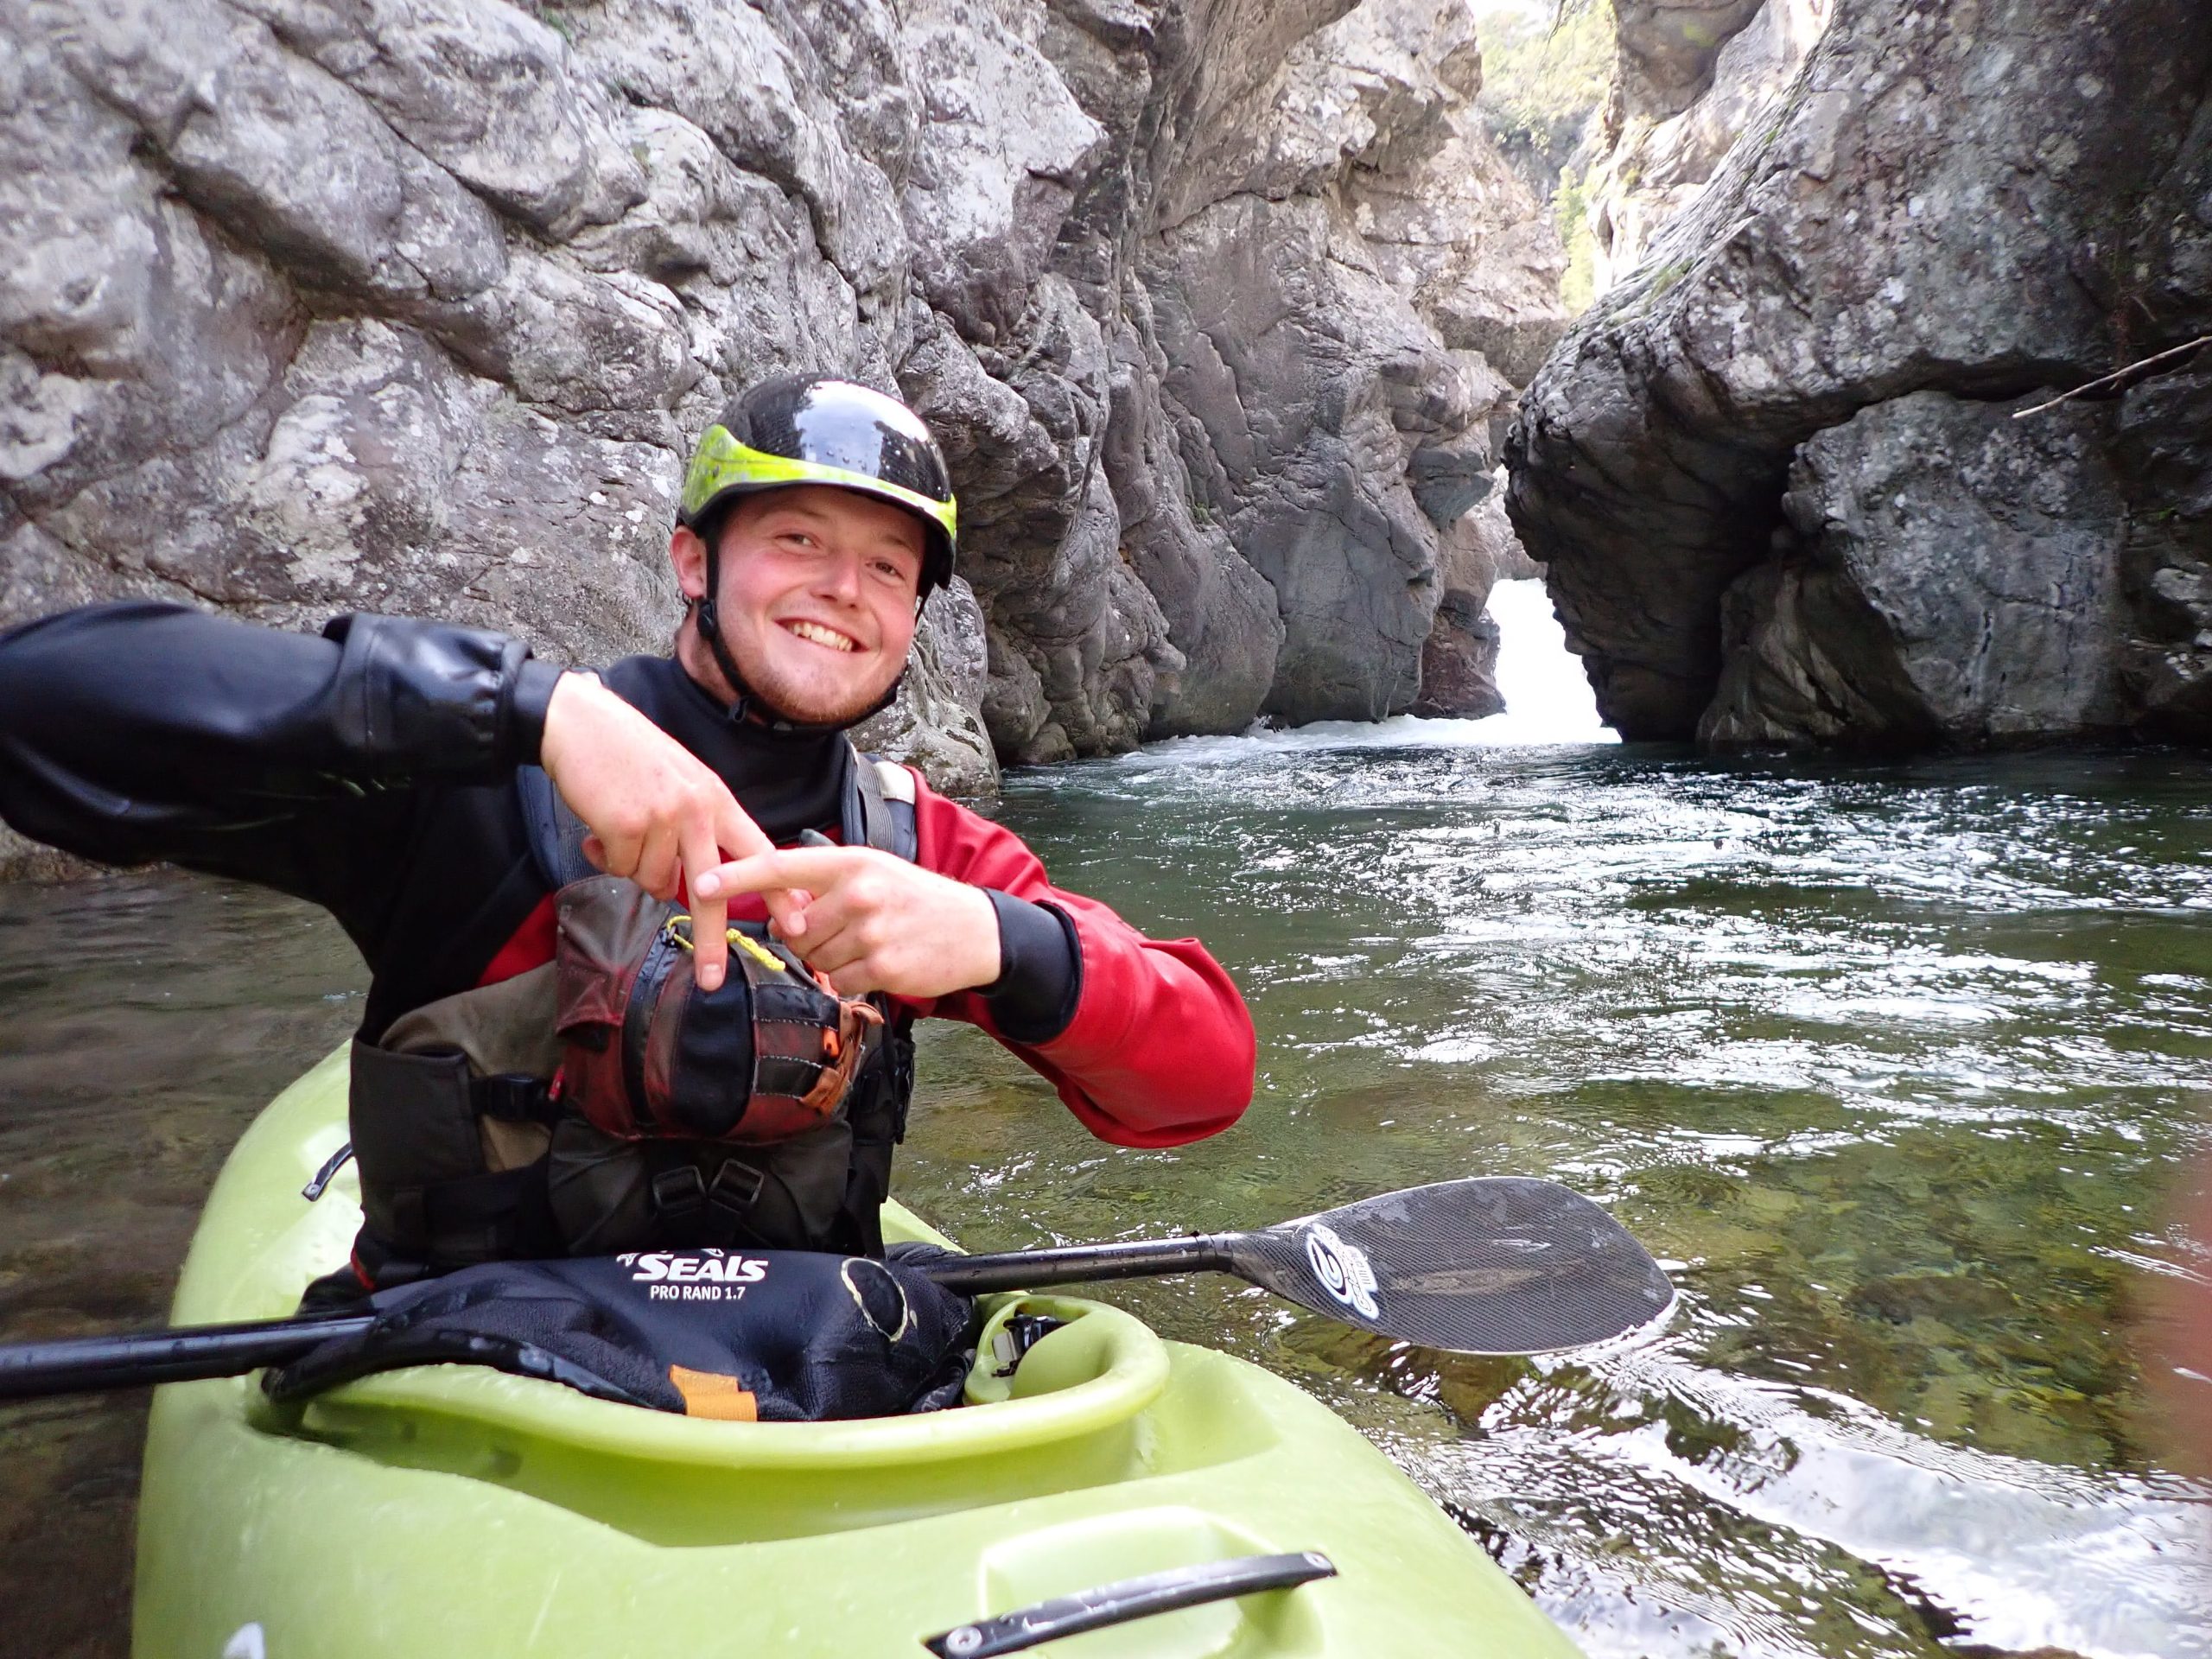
(688, 555)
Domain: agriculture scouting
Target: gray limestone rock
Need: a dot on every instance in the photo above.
(417, 305)
(1956, 584)
(1689, 82)
(1976, 204)
(1459, 660)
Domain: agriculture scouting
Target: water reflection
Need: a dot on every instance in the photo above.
(1891, 1065)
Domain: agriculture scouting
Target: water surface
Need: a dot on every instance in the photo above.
(1892, 1065)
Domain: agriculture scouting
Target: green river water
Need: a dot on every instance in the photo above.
(1893, 1066)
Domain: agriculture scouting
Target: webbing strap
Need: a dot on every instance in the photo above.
(514, 1204)
(879, 808)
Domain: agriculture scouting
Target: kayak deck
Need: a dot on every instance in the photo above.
(455, 1509)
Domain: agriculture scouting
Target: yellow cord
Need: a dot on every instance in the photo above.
(759, 952)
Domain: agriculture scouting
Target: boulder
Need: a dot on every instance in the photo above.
(1955, 582)
(1750, 472)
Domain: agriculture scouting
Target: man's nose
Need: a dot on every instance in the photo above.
(838, 577)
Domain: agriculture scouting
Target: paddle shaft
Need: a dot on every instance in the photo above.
(1078, 1264)
(192, 1354)
(139, 1359)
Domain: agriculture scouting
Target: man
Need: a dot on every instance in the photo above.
(448, 798)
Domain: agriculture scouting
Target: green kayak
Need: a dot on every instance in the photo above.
(454, 1511)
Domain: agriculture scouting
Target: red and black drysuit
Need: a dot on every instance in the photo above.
(371, 771)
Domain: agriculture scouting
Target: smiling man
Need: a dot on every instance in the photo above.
(569, 1046)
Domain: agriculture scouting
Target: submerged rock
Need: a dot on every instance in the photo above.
(1774, 476)
(415, 305)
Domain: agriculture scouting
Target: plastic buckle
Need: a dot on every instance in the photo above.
(736, 1187)
(514, 1098)
(679, 1191)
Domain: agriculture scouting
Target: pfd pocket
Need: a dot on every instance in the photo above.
(443, 1182)
(770, 1055)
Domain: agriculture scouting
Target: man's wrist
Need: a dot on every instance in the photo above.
(530, 697)
(1040, 970)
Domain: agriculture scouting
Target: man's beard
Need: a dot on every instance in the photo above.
(850, 712)
(775, 696)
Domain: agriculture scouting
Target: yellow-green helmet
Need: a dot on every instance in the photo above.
(816, 430)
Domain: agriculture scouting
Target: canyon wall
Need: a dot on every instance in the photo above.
(416, 306)
(1792, 478)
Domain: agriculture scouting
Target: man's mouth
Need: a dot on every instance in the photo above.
(822, 634)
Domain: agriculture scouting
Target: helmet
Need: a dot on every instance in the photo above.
(814, 430)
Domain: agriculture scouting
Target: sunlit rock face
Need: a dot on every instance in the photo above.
(417, 305)
(1689, 80)
(1775, 476)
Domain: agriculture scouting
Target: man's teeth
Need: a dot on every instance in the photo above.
(820, 635)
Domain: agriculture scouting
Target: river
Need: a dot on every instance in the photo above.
(1892, 1065)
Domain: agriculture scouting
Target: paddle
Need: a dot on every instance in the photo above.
(1494, 1265)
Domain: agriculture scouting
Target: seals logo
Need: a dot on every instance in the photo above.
(1343, 1269)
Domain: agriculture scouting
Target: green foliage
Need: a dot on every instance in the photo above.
(1542, 83)
(1571, 205)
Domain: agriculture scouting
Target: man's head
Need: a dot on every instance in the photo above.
(812, 509)
(817, 599)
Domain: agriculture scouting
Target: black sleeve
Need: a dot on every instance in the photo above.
(1040, 970)
(134, 732)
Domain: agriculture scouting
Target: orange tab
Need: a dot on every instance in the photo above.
(709, 1394)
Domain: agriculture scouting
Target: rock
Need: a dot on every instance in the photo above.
(1885, 240)
(416, 306)
(1446, 219)
(1957, 583)
(1459, 660)
(1459, 664)
(1669, 49)
(937, 724)
(1690, 82)
(2161, 448)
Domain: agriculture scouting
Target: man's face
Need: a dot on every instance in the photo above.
(817, 597)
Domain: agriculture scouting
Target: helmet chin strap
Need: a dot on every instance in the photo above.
(750, 704)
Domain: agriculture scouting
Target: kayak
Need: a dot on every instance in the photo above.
(454, 1509)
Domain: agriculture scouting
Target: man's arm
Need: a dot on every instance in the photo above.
(1151, 1046)
(134, 732)
(1148, 1041)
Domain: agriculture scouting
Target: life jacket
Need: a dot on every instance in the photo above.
(467, 1153)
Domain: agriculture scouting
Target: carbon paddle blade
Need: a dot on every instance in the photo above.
(1494, 1265)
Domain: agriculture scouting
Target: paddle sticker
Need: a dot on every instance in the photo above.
(1343, 1270)
(696, 1277)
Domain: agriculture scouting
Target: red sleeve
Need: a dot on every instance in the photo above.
(1160, 1051)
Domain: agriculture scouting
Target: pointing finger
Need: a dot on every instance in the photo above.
(738, 834)
(815, 869)
(709, 912)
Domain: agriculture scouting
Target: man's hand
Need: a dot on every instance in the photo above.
(656, 813)
(874, 923)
